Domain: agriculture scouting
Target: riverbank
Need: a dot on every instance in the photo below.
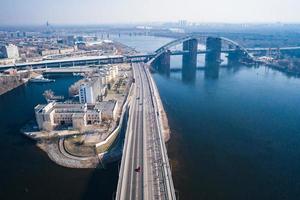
(53, 143)
(75, 155)
(162, 115)
(285, 69)
(8, 83)
(57, 153)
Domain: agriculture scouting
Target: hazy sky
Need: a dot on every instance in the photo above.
(127, 11)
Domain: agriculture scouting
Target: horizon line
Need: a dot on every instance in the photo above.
(150, 23)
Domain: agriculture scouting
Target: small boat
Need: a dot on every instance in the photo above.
(41, 79)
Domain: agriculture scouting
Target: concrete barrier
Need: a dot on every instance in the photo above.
(163, 119)
(104, 146)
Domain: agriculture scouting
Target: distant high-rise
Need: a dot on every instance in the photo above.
(48, 28)
(182, 23)
(70, 40)
(9, 51)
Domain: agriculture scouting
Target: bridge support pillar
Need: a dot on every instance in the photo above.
(213, 48)
(163, 62)
(235, 57)
(189, 60)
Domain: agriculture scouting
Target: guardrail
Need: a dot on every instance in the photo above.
(167, 170)
(126, 146)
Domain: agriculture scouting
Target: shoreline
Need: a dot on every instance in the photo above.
(53, 143)
(54, 147)
(10, 88)
(162, 117)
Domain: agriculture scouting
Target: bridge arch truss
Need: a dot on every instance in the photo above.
(230, 44)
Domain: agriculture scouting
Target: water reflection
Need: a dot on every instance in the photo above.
(233, 133)
(188, 75)
(212, 71)
(164, 71)
(189, 70)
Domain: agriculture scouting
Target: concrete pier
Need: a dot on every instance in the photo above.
(163, 62)
(234, 57)
(213, 48)
(189, 60)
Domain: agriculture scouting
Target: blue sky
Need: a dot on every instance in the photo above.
(18, 12)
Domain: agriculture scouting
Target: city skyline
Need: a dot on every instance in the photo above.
(33, 12)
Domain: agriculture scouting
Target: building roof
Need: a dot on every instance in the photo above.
(39, 107)
(106, 106)
(90, 82)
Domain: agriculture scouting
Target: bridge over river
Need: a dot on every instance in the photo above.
(160, 58)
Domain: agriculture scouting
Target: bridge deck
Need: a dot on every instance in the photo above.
(91, 60)
(144, 172)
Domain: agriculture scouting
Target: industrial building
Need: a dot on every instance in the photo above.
(90, 110)
(73, 115)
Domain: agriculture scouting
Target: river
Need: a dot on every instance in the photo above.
(235, 135)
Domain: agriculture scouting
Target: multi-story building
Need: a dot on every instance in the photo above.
(70, 40)
(9, 51)
(73, 115)
(114, 71)
(67, 50)
(90, 91)
(108, 74)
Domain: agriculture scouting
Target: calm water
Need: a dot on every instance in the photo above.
(26, 172)
(234, 136)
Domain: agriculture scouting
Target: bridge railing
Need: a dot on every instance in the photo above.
(167, 170)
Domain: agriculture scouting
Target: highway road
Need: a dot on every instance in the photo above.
(144, 172)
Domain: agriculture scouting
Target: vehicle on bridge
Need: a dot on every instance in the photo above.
(138, 169)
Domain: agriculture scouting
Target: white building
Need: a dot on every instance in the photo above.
(9, 51)
(57, 114)
(90, 91)
(108, 74)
